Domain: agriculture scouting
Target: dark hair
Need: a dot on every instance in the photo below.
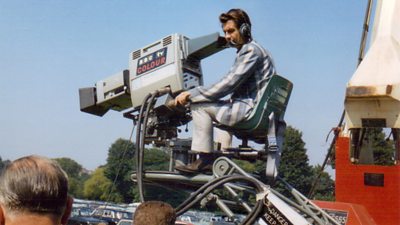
(240, 17)
(34, 184)
(237, 15)
(154, 212)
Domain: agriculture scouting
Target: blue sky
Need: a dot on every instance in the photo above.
(50, 49)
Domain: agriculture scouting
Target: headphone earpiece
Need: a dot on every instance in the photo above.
(245, 30)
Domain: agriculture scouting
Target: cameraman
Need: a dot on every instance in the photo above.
(253, 66)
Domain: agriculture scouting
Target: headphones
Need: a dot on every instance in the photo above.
(245, 24)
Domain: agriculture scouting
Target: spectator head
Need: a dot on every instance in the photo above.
(34, 186)
(154, 213)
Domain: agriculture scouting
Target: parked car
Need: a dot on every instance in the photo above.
(112, 214)
(82, 216)
(81, 211)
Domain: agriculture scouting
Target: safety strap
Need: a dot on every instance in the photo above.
(273, 154)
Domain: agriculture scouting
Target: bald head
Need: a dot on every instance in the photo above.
(34, 184)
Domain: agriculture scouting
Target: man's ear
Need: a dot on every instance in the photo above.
(67, 212)
(2, 218)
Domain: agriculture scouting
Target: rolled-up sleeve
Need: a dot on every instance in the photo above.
(244, 66)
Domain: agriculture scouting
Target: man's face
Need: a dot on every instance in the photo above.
(232, 33)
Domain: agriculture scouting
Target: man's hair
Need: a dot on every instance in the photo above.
(34, 184)
(238, 15)
(154, 212)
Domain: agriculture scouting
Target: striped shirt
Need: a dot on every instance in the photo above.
(251, 70)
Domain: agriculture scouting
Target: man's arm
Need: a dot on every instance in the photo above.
(244, 67)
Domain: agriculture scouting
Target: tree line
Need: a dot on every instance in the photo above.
(112, 182)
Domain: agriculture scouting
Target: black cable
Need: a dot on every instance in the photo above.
(204, 188)
(142, 142)
(328, 154)
(194, 194)
(197, 196)
(249, 220)
(138, 153)
(212, 185)
(363, 43)
(141, 135)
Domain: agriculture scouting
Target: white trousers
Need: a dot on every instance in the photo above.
(203, 131)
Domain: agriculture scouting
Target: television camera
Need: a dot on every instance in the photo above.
(156, 74)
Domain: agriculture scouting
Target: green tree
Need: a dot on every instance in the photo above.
(119, 167)
(294, 167)
(325, 188)
(121, 164)
(98, 187)
(250, 167)
(156, 159)
(76, 176)
(70, 166)
(383, 151)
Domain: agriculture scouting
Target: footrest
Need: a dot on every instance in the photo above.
(248, 153)
(233, 149)
(173, 179)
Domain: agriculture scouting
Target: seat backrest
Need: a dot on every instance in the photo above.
(274, 98)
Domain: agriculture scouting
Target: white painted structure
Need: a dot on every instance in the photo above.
(373, 92)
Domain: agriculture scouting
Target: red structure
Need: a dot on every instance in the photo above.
(377, 188)
(347, 213)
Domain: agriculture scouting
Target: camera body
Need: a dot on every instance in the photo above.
(173, 62)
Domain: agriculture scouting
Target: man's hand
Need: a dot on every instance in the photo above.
(182, 98)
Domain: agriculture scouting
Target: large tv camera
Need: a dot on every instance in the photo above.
(156, 74)
(172, 62)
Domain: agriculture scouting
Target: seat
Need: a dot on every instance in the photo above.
(273, 99)
(265, 124)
